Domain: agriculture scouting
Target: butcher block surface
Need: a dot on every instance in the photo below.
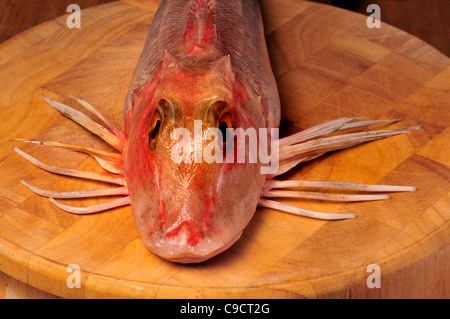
(328, 64)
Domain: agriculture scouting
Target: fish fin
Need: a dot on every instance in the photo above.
(314, 142)
(329, 127)
(271, 184)
(322, 196)
(109, 134)
(111, 162)
(272, 188)
(314, 148)
(124, 201)
(104, 177)
(97, 113)
(86, 193)
(302, 212)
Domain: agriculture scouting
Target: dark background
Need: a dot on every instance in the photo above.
(428, 20)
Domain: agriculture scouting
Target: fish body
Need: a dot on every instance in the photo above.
(204, 68)
(206, 61)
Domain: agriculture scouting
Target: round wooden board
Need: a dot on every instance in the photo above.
(328, 64)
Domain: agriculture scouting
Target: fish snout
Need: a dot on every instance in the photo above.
(188, 224)
(185, 232)
(188, 235)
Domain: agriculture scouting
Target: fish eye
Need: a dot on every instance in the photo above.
(155, 125)
(225, 124)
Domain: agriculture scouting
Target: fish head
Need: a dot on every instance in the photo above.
(191, 195)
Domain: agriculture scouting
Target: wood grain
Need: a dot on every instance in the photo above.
(328, 64)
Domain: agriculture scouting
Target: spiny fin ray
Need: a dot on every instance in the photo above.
(118, 142)
(104, 177)
(77, 194)
(302, 212)
(314, 142)
(124, 201)
(112, 162)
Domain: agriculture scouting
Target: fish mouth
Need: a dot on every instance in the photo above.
(178, 246)
(185, 232)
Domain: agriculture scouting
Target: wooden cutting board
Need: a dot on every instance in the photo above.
(328, 64)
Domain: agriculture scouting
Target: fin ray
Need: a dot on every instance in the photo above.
(77, 194)
(82, 119)
(302, 212)
(104, 177)
(124, 201)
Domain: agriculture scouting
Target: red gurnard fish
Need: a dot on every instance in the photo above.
(204, 65)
